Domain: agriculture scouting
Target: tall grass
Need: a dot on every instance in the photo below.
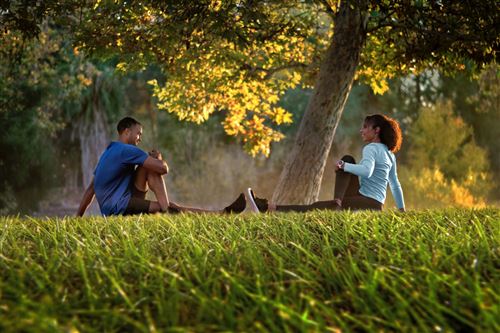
(320, 271)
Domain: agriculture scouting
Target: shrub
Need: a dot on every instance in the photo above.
(429, 188)
(445, 166)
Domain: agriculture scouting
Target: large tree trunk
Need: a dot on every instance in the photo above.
(301, 177)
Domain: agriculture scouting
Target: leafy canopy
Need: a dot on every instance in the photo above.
(240, 56)
(232, 56)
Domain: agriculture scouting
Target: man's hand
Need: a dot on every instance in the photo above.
(156, 163)
(156, 154)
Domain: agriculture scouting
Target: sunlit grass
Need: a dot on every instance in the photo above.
(320, 271)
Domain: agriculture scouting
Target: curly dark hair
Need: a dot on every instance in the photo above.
(390, 132)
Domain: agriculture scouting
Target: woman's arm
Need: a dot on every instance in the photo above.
(366, 166)
(396, 189)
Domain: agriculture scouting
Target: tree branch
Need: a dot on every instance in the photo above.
(384, 22)
(271, 71)
(328, 8)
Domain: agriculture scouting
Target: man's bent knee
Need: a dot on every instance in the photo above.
(153, 176)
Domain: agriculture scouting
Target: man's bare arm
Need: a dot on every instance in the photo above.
(88, 196)
(155, 163)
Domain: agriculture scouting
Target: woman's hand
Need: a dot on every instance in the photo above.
(339, 165)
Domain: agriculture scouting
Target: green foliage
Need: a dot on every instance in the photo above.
(28, 17)
(105, 93)
(242, 56)
(37, 77)
(243, 79)
(239, 57)
(26, 162)
(443, 153)
(439, 138)
(408, 37)
(320, 271)
(47, 90)
(478, 103)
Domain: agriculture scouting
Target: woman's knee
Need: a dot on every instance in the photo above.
(348, 159)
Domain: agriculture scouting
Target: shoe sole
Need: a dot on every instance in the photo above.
(252, 205)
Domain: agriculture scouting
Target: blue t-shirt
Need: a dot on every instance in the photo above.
(376, 169)
(114, 176)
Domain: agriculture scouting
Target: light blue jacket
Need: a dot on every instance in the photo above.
(377, 168)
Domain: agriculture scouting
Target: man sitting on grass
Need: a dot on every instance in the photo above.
(124, 174)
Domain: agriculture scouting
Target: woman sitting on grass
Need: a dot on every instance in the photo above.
(376, 169)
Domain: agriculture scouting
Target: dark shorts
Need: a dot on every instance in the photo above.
(137, 204)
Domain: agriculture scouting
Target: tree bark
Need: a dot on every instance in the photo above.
(301, 177)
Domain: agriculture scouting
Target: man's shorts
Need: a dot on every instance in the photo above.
(137, 204)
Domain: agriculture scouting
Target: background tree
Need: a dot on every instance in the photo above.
(38, 76)
(477, 102)
(395, 37)
(229, 55)
(445, 165)
(56, 107)
(238, 57)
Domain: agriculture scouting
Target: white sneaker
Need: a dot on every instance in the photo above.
(251, 202)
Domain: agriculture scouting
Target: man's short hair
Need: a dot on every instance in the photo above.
(125, 123)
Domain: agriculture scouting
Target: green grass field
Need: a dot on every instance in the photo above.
(433, 271)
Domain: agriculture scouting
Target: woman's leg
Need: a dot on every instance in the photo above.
(236, 207)
(329, 204)
(347, 190)
(346, 184)
(360, 202)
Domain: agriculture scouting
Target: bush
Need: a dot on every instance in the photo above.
(445, 167)
(429, 188)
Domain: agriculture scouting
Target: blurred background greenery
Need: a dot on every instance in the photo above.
(58, 112)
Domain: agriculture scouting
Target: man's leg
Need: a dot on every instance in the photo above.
(237, 206)
(153, 180)
(194, 210)
(144, 180)
(157, 184)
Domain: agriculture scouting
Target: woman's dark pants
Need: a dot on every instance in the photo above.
(346, 189)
